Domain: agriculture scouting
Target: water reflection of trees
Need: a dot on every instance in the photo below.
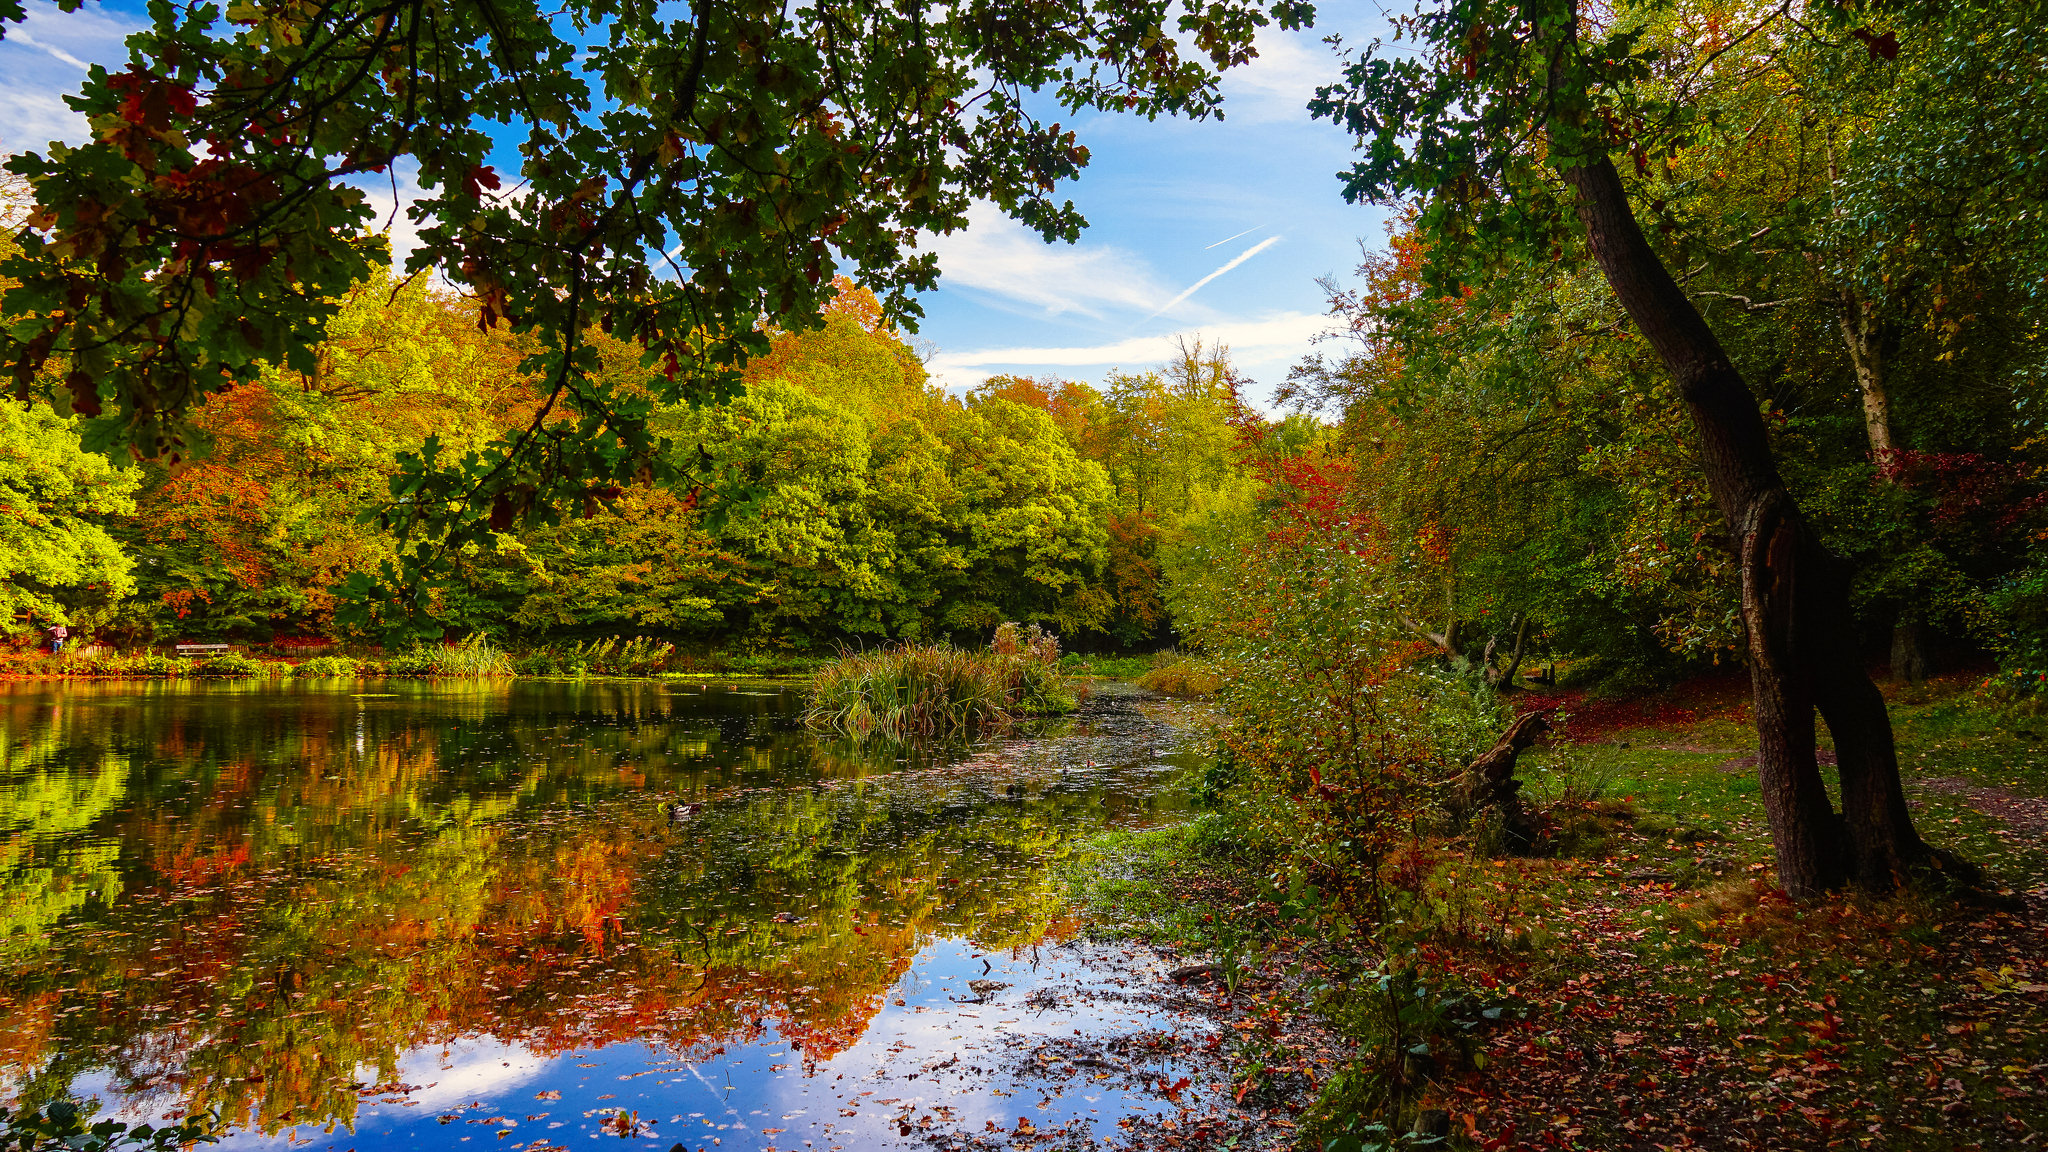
(298, 906)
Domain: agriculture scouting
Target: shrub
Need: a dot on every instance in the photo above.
(418, 662)
(230, 664)
(1181, 676)
(155, 664)
(1336, 736)
(922, 690)
(326, 666)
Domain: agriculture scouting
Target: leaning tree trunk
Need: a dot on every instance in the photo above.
(1802, 640)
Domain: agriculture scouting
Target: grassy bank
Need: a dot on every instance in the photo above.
(919, 691)
(618, 657)
(1640, 983)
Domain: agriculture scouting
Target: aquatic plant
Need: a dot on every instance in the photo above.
(611, 656)
(326, 666)
(229, 665)
(140, 664)
(64, 1125)
(910, 691)
(476, 656)
(1181, 676)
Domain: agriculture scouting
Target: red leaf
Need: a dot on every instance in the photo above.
(1885, 47)
(480, 178)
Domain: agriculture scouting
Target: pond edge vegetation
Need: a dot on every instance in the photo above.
(921, 691)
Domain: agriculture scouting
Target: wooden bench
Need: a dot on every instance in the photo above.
(197, 649)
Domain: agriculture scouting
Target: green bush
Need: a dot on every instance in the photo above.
(2021, 604)
(326, 666)
(63, 1125)
(418, 662)
(140, 664)
(923, 690)
(1108, 667)
(614, 656)
(229, 664)
(1182, 677)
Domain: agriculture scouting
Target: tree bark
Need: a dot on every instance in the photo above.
(1909, 656)
(1491, 778)
(1506, 679)
(1863, 334)
(1489, 782)
(1864, 337)
(1803, 651)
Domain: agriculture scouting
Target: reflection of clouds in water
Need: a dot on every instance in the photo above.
(461, 1072)
(468, 1069)
(997, 1037)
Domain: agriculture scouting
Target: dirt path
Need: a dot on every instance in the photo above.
(2028, 814)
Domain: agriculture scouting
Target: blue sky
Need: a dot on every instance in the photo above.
(1215, 229)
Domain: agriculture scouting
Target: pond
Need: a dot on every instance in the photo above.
(418, 914)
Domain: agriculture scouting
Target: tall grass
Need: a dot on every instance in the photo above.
(476, 656)
(919, 691)
(612, 656)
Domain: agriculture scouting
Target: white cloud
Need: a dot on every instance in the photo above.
(33, 118)
(43, 59)
(24, 36)
(1000, 257)
(1282, 336)
(389, 193)
(1279, 83)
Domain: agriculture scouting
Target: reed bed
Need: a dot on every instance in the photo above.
(921, 691)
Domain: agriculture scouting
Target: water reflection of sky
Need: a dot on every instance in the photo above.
(763, 1095)
(374, 920)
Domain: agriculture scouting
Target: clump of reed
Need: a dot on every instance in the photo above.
(476, 656)
(920, 691)
(1177, 675)
(611, 656)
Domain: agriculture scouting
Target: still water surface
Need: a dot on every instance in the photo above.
(424, 915)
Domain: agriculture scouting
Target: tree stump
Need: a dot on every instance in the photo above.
(1489, 782)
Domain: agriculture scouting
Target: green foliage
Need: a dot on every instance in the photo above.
(228, 665)
(1519, 444)
(612, 656)
(57, 562)
(63, 1125)
(1110, 667)
(1410, 1030)
(1166, 443)
(1181, 676)
(327, 666)
(913, 691)
(1334, 733)
(2020, 605)
(152, 664)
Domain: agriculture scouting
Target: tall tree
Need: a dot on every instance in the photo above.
(55, 558)
(1505, 122)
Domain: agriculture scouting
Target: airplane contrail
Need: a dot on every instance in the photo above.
(1228, 239)
(1198, 285)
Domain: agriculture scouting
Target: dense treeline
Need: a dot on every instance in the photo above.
(840, 497)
